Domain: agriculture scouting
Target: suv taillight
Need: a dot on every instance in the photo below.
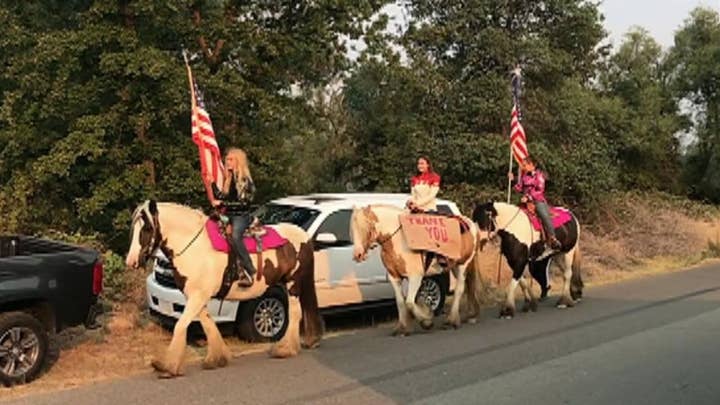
(97, 284)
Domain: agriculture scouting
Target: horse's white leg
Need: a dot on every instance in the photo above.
(402, 327)
(454, 316)
(508, 310)
(421, 312)
(565, 263)
(530, 301)
(171, 365)
(218, 353)
(289, 345)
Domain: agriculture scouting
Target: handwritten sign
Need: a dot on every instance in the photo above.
(432, 233)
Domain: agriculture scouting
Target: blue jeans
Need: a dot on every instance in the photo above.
(240, 224)
(543, 212)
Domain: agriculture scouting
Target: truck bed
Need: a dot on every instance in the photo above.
(11, 246)
(63, 276)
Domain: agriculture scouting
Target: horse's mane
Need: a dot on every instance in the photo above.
(173, 205)
(144, 206)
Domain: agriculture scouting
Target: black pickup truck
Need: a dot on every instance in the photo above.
(45, 286)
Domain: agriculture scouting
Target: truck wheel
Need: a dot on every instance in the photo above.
(433, 291)
(23, 348)
(264, 319)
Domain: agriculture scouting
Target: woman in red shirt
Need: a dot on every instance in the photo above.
(424, 187)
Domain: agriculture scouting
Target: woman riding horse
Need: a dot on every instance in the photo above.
(425, 186)
(532, 185)
(235, 197)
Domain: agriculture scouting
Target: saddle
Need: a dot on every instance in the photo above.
(559, 216)
(256, 239)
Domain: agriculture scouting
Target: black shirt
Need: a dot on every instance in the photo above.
(236, 203)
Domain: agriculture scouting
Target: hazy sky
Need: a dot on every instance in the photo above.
(661, 17)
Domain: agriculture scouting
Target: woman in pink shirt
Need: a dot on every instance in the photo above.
(532, 185)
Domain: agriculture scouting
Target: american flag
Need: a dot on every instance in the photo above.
(518, 141)
(204, 137)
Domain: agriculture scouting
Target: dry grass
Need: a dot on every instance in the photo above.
(122, 348)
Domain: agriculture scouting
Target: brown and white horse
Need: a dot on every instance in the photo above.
(379, 225)
(518, 240)
(181, 233)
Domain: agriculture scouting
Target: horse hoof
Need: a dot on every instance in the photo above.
(282, 352)
(400, 331)
(507, 312)
(211, 364)
(472, 321)
(158, 366)
(565, 302)
(426, 324)
(451, 324)
(311, 345)
(533, 305)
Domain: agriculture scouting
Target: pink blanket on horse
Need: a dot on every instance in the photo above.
(270, 240)
(560, 216)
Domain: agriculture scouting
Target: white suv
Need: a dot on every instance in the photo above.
(342, 284)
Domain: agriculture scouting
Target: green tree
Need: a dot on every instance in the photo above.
(450, 98)
(647, 144)
(695, 64)
(95, 106)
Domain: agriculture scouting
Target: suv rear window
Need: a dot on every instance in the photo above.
(270, 214)
(444, 209)
(338, 224)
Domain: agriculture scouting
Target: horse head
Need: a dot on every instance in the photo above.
(363, 231)
(145, 236)
(484, 215)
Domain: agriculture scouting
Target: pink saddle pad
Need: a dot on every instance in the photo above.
(560, 216)
(270, 240)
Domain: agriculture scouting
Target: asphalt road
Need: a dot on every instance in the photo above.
(648, 341)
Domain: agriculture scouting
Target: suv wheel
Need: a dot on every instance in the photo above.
(264, 319)
(432, 292)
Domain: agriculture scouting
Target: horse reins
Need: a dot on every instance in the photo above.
(497, 229)
(378, 242)
(197, 235)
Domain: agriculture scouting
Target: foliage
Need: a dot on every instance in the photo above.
(94, 104)
(695, 69)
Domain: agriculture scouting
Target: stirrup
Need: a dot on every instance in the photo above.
(245, 280)
(547, 253)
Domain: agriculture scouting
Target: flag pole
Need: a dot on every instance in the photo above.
(509, 187)
(516, 77)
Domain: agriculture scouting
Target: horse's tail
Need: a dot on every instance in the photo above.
(576, 281)
(312, 323)
(474, 287)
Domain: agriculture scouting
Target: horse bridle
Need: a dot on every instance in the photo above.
(374, 239)
(493, 232)
(379, 242)
(151, 239)
(150, 236)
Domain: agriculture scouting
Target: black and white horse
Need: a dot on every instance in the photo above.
(519, 241)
